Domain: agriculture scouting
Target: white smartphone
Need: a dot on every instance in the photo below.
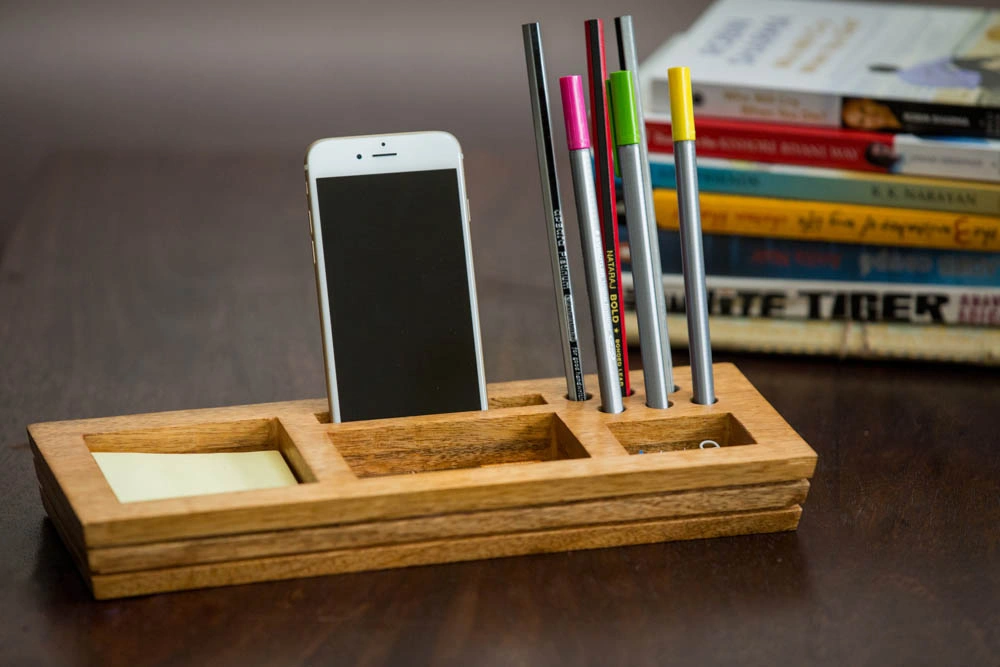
(389, 220)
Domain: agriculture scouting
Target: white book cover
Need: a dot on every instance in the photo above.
(842, 338)
(889, 67)
(732, 296)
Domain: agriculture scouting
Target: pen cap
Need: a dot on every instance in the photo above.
(681, 104)
(574, 112)
(624, 113)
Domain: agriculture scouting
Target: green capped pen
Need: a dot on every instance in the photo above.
(650, 302)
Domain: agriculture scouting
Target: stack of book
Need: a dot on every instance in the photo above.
(849, 166)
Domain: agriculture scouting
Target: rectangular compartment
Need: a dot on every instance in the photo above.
(401, 449)
(198, 459)
(516, 401)
(495, 403)
(679, 433)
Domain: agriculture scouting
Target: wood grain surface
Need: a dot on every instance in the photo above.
(136, 282)
(633, 508)
(128, 584)
(463, 459)
(449, 490)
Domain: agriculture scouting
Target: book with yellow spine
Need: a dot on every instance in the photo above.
(844, 223)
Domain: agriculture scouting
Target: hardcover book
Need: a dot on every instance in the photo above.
(758, 179)
(817, 300)
(866, 66)
(966, 158)
(844, 338)
(757, 257)
(841, 223)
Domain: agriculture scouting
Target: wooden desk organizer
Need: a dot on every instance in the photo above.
(536, 473)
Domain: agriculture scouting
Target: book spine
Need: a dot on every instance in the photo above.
(965, 159)
(754, 257)
(837, 301)
(838, 149)
(833, 111)
(843, 223)
(805, 183)
(924, 117)
(864, 340)
(753, 104)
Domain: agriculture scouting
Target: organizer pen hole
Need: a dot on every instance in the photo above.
(672, 434)
(631, 392)
(712, 403)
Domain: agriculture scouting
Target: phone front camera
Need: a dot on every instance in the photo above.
(383, 143)
(359, 156)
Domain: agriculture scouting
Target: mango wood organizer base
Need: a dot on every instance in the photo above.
(535, 473)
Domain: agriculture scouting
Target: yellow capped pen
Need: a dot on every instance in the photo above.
(681, 104)
(692, 254)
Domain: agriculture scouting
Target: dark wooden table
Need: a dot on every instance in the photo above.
(140, 282)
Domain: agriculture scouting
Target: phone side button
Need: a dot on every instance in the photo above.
(313, 244)
(310, 223)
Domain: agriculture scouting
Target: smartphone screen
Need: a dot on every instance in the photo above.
(400, 295)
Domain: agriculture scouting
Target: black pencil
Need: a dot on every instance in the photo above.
(539, 92)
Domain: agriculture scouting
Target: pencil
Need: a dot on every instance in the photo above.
(629, 61)
(604, 181)
(692, 255)
(578, 139)
(652, 333)
(539, 93)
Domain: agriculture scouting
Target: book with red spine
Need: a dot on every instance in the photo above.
(856, 150)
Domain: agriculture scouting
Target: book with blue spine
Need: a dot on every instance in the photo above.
(759, 257)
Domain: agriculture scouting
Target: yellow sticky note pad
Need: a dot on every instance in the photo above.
(136, 476)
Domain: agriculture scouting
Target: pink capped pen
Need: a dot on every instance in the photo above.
(578, 138)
